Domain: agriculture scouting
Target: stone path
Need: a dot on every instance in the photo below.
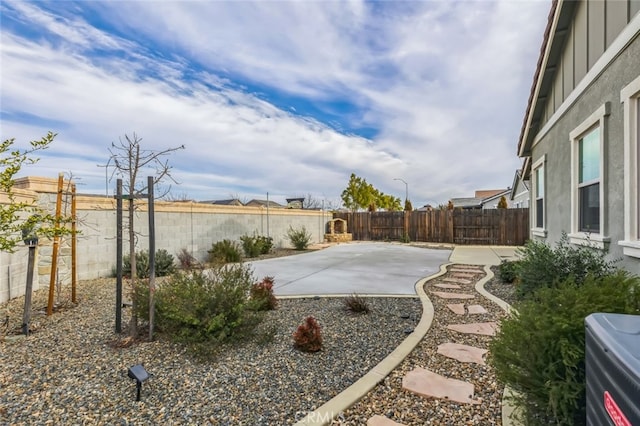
(430, 384)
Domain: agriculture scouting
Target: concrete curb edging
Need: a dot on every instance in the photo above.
(507, 408)
(324, 414)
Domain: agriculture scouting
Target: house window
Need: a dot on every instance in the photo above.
(588, 198)
(540, 197)
(589, 182)
(538, 210)
(630, 97)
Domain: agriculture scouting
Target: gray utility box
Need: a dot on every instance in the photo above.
(613, 369)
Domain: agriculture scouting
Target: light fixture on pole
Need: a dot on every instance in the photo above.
(406, 188)
(106, 175)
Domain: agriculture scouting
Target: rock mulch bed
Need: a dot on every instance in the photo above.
(390, 400)
(68, 371)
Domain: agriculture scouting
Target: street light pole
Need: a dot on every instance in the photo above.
(406, 189)
(106, 175)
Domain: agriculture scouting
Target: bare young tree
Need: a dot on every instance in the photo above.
(130, 160)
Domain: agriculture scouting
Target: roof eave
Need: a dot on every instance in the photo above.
(525, 140)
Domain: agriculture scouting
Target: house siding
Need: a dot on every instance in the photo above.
(596, 24)
(557, 147)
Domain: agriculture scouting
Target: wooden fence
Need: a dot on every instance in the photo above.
(482, 227)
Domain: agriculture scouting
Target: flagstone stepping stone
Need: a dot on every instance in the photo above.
(378, 420)
(457, 280)
(466, 270)
(446, 295)
(462, 353)
(462, 275)
(476, 309)
(484, 328)
(457, 308)
(450, 286)
(429, 384)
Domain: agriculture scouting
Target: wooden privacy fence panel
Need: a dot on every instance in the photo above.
(485, 227)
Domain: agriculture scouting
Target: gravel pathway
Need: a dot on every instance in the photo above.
(68, 372)
(390, 400)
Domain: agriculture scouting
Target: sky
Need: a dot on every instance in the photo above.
(280, 97)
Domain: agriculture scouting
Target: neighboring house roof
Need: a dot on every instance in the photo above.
(518, 183)
(486, 193)
(467, 203)
(262, 203)
(232, 202)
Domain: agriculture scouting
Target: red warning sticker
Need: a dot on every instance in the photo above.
(614, 411)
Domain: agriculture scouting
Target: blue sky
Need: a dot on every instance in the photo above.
(283, 97)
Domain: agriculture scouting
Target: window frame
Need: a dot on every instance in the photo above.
(539, 165)
(630, 98)
(597, 120)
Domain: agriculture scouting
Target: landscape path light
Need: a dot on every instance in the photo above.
(140, 375)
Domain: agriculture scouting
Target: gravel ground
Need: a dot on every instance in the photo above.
(390, 400)
(69, 372)
(500, 289)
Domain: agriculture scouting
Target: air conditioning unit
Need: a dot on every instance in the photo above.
(613, 369)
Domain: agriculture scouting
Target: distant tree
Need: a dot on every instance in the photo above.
(131, 159)
(359, 194)
(502, 204)
(19, 216)
(407, 205)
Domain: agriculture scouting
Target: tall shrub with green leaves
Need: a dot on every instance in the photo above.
(543, 266)
(255, 245)
(299, 237)
(164, 264)
(204, 306)
(540, 351)
(224, 251)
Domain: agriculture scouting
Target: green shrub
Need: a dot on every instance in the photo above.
(539, 352)
(256, 245)
(164, 264)
(542, 266)
(202, 306)
(224, 251)
(508, 270)
(261, 295)
(299, 238)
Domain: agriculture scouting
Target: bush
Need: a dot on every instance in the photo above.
(187, 260)
(356, 304)
(539, 352)
(261, 295)
(256, 245)
(299, 238)
(508, 270)
(164, 264)
(202, 306)
(225, 251)
(542, 266)
(308, 336)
